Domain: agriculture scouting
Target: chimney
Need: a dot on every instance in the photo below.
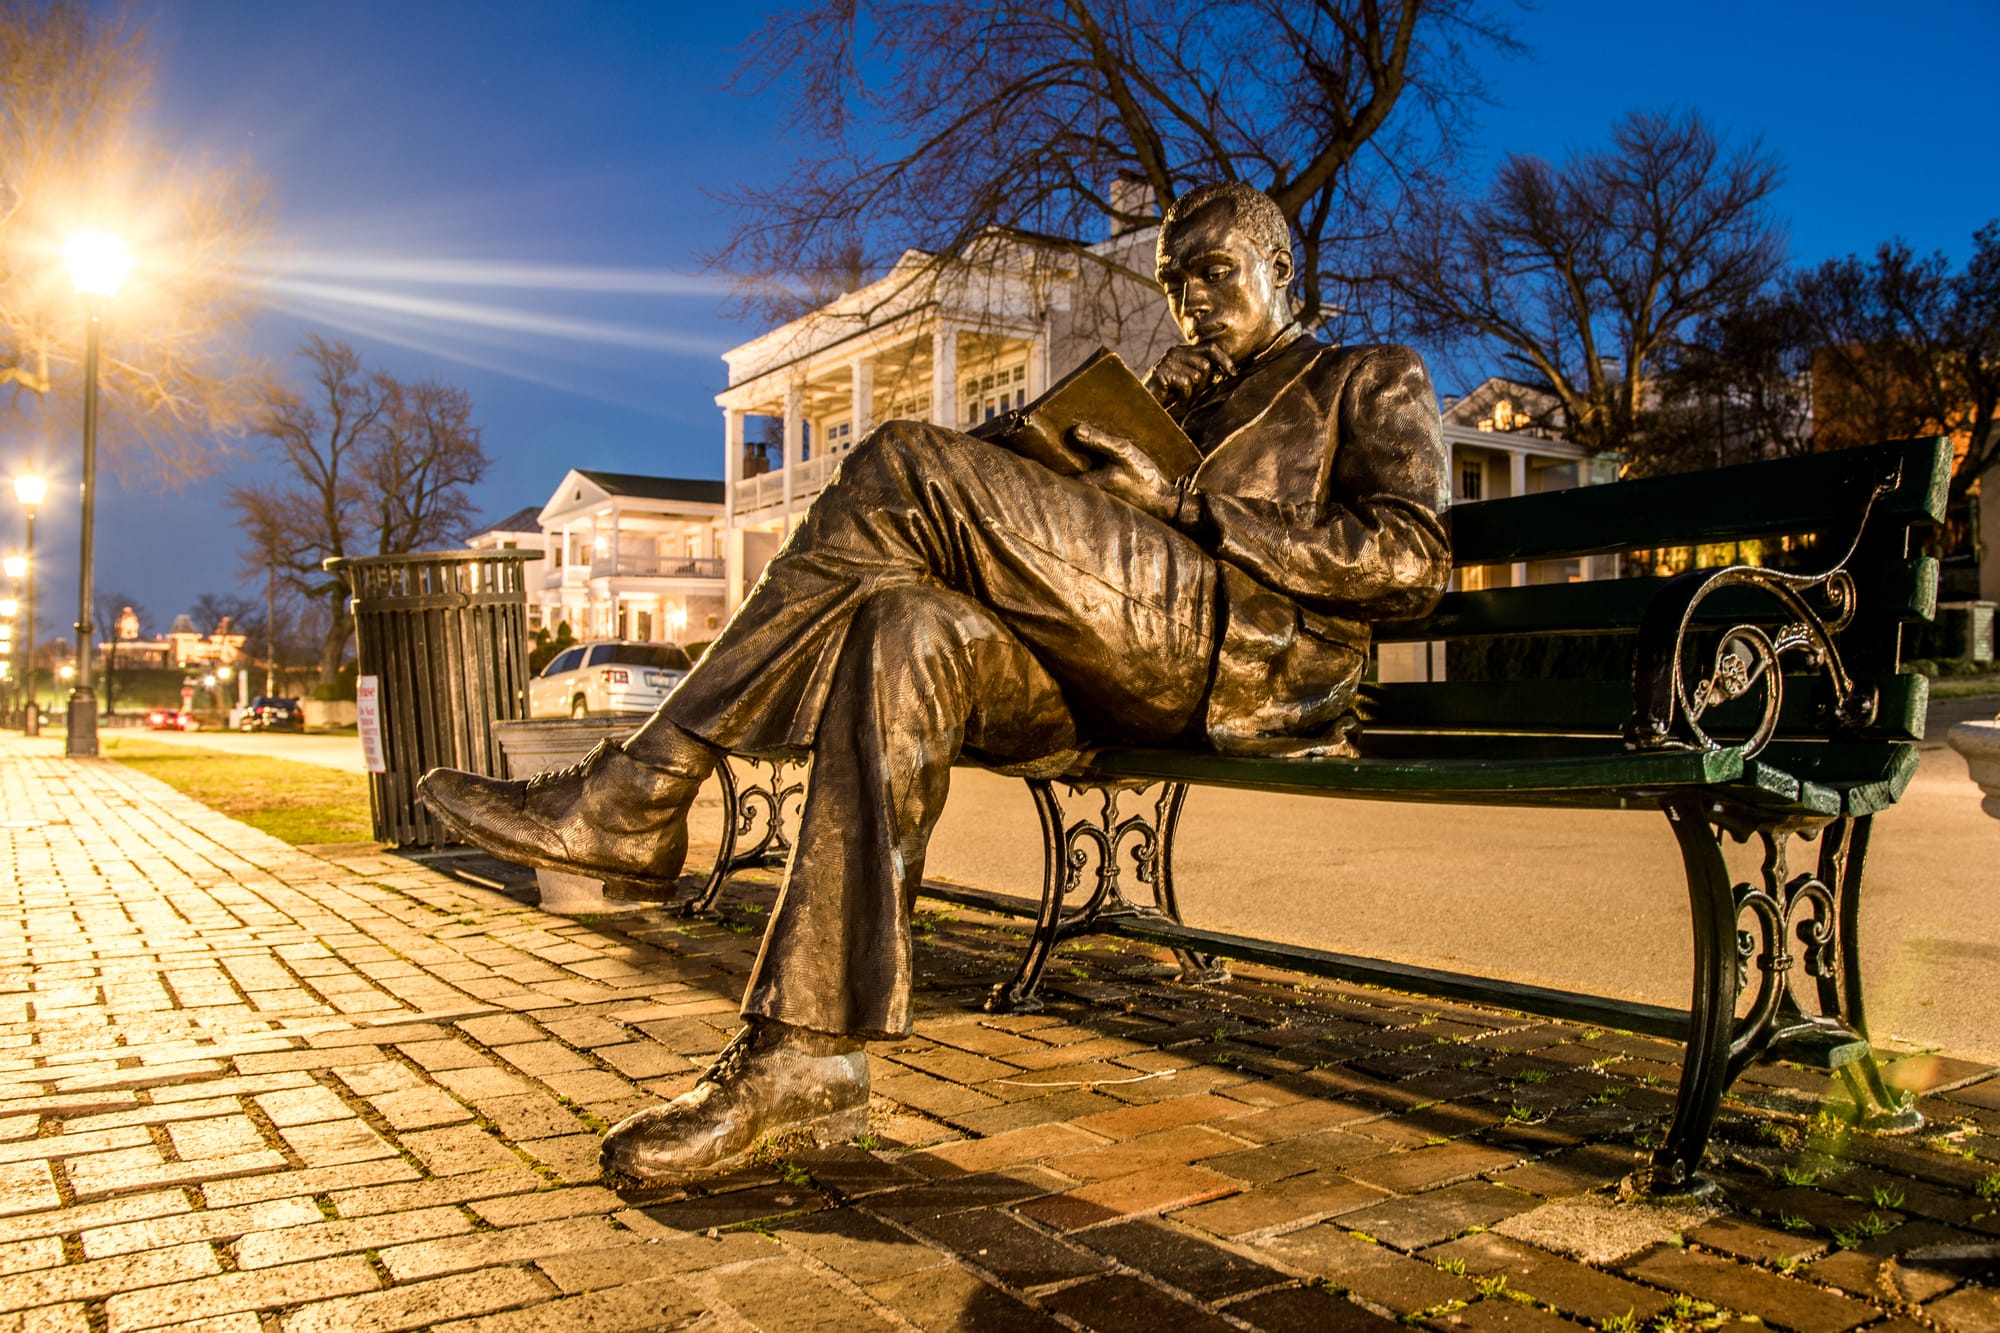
(1132, 204)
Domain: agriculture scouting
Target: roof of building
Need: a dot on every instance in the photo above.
(689, 489)
(521, 520)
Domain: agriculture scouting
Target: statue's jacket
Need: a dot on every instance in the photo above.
(1322, 491)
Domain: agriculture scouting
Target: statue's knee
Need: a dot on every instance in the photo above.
(916, 618)
(907, 449)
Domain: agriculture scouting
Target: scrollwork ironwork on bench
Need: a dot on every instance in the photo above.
(1067, 848)
(1796, 931)
(756, 799)
(1670, 703)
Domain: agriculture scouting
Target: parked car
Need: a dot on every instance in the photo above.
(172, 719)
(607, 676)
(268, 712)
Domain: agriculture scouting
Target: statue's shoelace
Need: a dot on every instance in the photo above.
(730, 1059)
(576, 770)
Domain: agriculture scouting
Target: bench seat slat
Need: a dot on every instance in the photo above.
(1524, 770)
(1790, 495)
(1818, 780)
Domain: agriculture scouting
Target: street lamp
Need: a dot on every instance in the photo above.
(98, 262)
(30, 490)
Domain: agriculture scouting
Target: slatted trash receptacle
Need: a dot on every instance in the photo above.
(445, 634)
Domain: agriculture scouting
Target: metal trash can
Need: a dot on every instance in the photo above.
(445, 635)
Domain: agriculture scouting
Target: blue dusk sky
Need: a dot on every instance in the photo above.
(557, 164)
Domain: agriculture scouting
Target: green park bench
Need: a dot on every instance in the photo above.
(1762, 702)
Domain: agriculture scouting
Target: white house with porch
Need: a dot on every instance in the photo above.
(989, 333)
(627, 556)
(954, 347)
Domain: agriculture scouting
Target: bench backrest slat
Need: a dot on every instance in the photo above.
(1822, 496)
(1906, 588)
(1815, 493)
(1600, 707)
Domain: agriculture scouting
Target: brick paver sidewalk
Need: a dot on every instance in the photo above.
(243, 1087)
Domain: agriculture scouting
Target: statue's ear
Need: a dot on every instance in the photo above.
(1281, 264)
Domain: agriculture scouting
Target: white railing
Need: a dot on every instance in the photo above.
(768, 489)
(651, 564)
(760, 492)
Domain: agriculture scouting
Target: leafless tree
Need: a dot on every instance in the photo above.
(426, 453)
(1584, 277)
(75, 154)
(107, 609)
(369, 465)
(1739, 388)
(1905, 346)
(932, 123)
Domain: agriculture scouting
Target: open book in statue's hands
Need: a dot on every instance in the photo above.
(1104, 394)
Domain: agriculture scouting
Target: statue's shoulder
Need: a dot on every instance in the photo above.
(1369, 368)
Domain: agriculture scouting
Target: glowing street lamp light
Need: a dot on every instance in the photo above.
(30, 490)
(98, 262)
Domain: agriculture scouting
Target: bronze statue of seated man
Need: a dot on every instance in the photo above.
(945, 596)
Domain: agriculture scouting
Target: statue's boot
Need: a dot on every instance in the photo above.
(771, 1082)
(612, 816)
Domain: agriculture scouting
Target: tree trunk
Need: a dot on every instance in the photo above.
(335, 642)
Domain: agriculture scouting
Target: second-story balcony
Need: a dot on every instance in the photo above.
(768, 489)
(652, 565)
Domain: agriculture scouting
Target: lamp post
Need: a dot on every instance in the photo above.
(9, 608)
(97, 264)
(29, 490)
(16, 568)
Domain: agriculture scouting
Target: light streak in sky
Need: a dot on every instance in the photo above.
(484, 273)
(514, 319)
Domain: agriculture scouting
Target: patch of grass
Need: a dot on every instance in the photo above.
(1455, 1267)
(1882, 1196)
(1867, 1228)
(1531, 1076)
(293, 802)
(1805, 1177)
(1793, 1222)
(1620, 1323)
(1988, 1186)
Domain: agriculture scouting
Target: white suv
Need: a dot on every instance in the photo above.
(612, 676)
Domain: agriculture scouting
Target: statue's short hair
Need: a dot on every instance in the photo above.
(1251, 207)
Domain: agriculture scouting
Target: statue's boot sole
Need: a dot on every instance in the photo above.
(827, 1131)
(649, 884)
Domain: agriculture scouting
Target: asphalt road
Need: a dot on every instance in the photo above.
(341, 752)
(1589, 900)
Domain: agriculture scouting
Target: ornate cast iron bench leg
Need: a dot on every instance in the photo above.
(1843, 855)
(1067, 846)
(760, 798)
(1808, 998)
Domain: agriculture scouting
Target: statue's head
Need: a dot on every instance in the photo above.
(1225, 263)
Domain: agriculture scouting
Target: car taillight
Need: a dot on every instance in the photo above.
(614, 676)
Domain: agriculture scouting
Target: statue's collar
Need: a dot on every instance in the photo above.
(1288, 335)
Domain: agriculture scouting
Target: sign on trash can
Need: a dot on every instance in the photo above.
(368, 719)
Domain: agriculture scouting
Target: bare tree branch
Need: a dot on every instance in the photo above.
(1017, 117)
(1586, 277)
(74, 154)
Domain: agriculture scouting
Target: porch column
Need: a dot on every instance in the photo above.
(1588, 565)
(944, 376)
(1517, 484)
(795, 437)
(861, 374)
(730, 549)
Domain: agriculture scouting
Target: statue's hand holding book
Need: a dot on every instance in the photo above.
(1104, 396)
